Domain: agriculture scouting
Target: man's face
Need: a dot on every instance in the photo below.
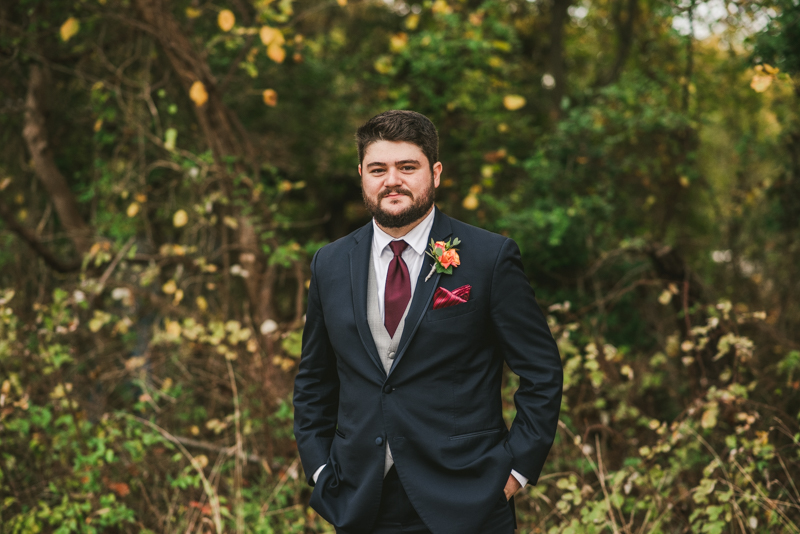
(397, 182)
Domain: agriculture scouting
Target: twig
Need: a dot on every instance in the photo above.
(283, 478)
(239, 453)
(110, 269)
(209, 490)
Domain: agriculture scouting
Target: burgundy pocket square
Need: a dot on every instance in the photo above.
(444, 298)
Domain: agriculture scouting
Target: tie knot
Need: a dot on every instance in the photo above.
(398, 247)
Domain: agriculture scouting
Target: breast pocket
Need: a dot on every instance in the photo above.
(459, 310)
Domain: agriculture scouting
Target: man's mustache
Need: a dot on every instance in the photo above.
(394, 190)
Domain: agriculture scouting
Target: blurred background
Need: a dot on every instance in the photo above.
(168, 169)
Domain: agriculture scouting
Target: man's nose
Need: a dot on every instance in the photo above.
(392, 178)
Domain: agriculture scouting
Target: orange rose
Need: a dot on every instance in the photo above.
(449, 258)
(440, 245)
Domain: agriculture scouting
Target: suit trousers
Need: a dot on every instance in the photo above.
(396, 514)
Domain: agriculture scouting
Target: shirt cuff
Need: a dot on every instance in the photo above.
(521, 479)
(315, 476)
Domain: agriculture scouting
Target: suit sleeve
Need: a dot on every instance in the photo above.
(528, 347)
(316, 387)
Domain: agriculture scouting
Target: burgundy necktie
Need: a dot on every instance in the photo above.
(398, 288)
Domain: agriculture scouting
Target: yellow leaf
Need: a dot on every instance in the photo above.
(169, 287)
(98, 124)
(131, 364)
(200, 461)
(412, 21)
(198, 93)
(684, 180)
(269, 35)
(665, 297)
(270, 97)
(470, 202)
(178, 297)
(230, 222)
(193, 13)
(276, 52)
(513, 102)
(709, 419)
(770, 69)
(440, 7)
(133, 209)
(170, 136)
(202, 303)
(383, 64)
(342, 3)
(627, 371)
(173, 329)
(226, 20)
(69, 29)
(140, 197)
(180, 218)
(760, 83)
(398, 42)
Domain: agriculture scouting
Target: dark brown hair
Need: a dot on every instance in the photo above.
(400, 125)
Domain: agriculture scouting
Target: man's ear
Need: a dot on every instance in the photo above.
(437, 173)
(359, 169)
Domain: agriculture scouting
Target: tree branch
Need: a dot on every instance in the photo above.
(33, 242)
(35, 134)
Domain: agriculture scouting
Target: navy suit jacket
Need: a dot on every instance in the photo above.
(439, 408)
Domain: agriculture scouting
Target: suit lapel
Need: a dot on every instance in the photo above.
(360, 262)
(423, 292)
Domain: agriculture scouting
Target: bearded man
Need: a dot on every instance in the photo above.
(398, 412)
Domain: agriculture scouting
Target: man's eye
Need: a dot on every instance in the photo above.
(408, 168)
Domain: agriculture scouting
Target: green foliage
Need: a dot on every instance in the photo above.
(651, 180)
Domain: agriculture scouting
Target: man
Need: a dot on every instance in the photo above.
(398, 415)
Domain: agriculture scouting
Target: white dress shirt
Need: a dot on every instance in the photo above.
(414, 256)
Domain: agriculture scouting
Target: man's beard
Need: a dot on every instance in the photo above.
(418, 208)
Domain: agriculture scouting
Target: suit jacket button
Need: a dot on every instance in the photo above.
(387, 388)
(379, 441)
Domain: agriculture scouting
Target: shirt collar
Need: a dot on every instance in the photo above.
(415, 238)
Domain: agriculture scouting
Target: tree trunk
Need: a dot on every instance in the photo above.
(35, 134)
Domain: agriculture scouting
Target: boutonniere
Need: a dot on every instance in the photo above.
(445, 256)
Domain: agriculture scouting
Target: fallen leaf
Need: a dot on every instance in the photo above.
(133, 209)
(198, 93)
(226, 20)
(69, 29)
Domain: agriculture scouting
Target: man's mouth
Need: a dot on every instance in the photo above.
(395, 194)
